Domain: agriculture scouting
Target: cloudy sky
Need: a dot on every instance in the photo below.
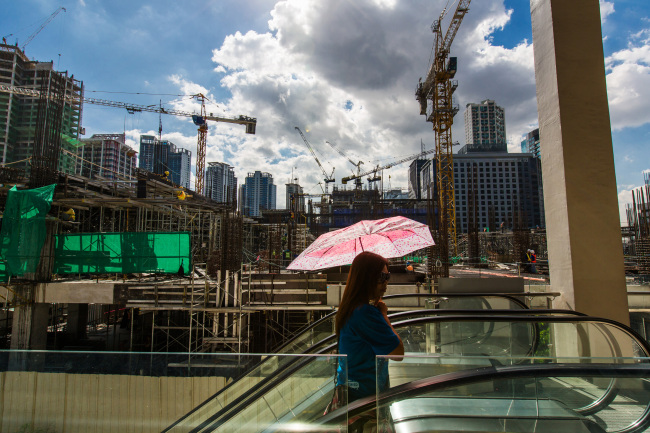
(344, 71)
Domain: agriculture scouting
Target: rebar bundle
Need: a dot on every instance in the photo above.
(47, 137)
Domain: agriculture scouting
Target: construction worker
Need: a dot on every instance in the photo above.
(533, 261)
(68, 215)
(531, 258)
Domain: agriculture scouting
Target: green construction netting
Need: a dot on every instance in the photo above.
(71, 140)
(23, 230)
(122, 253)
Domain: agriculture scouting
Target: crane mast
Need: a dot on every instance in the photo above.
(328, 178)
(438, 87)
(201, 144)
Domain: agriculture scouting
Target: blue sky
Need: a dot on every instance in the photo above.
(342, 70)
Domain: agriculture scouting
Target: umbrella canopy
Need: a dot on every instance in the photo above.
(388, 237)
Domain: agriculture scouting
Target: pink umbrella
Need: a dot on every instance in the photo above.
(388, 237)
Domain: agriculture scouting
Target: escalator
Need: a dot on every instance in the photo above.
(522, 398)
(319, 335)
(446, 344)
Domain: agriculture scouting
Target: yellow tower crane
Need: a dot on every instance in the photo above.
(438, 87)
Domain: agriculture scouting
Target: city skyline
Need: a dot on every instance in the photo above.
(343, 73)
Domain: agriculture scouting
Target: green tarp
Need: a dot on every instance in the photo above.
(71, 140)
(122, 253)
(23, 230)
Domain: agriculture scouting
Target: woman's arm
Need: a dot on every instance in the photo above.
(398, 352)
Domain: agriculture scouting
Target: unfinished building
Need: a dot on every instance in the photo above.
(29, 121)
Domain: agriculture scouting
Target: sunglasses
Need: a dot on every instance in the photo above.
(384, 276)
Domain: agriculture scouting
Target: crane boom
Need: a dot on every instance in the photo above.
(344, 155)
(392, 164)
(250, 122)
(459, 14)
(443, 46)
(33, 35)
(328, 178)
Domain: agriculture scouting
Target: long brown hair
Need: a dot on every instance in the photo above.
(362, 281)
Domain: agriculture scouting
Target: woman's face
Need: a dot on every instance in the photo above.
(381, 286)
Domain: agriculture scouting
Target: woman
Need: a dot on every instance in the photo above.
(363, 329)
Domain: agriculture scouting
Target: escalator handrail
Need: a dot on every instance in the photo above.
(305, 329)
(508, 296)
(532, 312)
(294, 366)
(467, 377)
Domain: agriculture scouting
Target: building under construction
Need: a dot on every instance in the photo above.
(29, 122)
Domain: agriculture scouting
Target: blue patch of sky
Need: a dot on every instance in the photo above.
(288, 153)
(629, 17)
(629, 154)
(349, 105)
(517, 29)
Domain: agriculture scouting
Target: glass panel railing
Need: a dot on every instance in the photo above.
(487, 394)
(106, 391)
(302, 393)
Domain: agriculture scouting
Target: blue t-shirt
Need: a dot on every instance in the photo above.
(365, 335)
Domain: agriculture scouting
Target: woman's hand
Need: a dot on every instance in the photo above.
(383, 309)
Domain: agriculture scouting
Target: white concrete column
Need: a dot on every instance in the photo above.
(582, 219)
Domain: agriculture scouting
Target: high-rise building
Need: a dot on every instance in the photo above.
(531, 143)
(220, 182)
(485, 128)
(107, 156)
(259, 193)
(295, 199)
(55, 131)
(180, 167)
(414, 179)
(241, 199)
(494, 188)
(159, 156)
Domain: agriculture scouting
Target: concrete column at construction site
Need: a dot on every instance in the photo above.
(77, 322)
(582, 218)
(30, 320)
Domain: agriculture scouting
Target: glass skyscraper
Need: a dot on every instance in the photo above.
(258, 193)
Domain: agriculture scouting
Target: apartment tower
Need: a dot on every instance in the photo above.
(485, 128)
(220, 182)
(259, 193)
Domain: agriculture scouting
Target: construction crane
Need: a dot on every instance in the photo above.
(439, 87)
(50, 18)
(374, 171)
(357, 181)
(328, 178)
(199, 120)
